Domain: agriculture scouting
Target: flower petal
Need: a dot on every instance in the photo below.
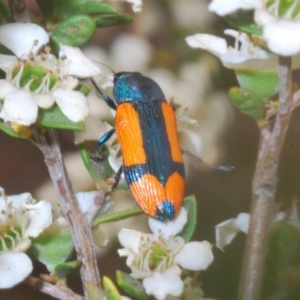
(227, 230)
(19, 107)
(195, 256)
(162, 284)
(14, 268)
(29, 35)
(169, 228)
(136, 5)
(7, 62)
(6, 87)
(224, 7)
(72, 103)
(76, 63)
(40, 218)
(44, 101)
(211, 43)
(280, 37)
(130, 239)
(86, 200)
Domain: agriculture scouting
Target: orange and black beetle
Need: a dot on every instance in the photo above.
(145, 124)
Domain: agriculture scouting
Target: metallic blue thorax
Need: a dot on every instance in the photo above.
(135, 87)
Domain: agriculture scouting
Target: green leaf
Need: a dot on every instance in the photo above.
(96, 163)
(190, 204)
(93, 8)
(284, 6)
(130, 285)
(117, 216)
(5, 127)
(74, 31)
(83, 89)
(113, 20)
(247, 102)
(283, 263)
(53, 246)
(284, 246)
(56, 11)
(4, 12)
(62, 270)
(110, 290)
(54, 118)
(263, 83)
(244, 20)
(94, 291)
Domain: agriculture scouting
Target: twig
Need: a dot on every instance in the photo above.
(80, 228)
(264, 188)
(56, 291)
(19, 11)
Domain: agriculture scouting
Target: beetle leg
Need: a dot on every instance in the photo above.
(117, 177)
(105, 137)
(219, 167)
(110, 102)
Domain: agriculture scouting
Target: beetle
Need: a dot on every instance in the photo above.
(145, 125)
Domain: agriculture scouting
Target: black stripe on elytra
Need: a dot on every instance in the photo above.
(156, 145)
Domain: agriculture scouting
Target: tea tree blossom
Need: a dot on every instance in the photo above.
(20, 219)
(243, 56)
(280, 27)
(227, 230)
(38, 80)
(157, 258)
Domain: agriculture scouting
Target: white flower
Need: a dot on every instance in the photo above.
(39, 80)
(20, 219)
(224, 7)
(157, 258)
(280, 28)
(279, 32)
(243, 56)
(227, 230)
(136, 4)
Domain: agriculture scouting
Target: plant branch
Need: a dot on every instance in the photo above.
(80, 227)
(56, 291)
(264, 188)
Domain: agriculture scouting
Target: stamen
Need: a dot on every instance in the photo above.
(17, 78)
(289, 13)
(3, 244)
(18, 236)
(13, 244)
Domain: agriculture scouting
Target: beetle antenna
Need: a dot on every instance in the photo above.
(108, 67)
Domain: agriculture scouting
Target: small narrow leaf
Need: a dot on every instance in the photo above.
(4, 12)
(110, 290)
(74, 31)
(130, 285)
(54, 245)
(247, 102)
(190, 204)
(117, 216)
(263, 83)
(62, 270)
(113, 20)
(96, 163)
(5, 127)
(94, 291)
(54, 118)
(244, 20)
(93, 8)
